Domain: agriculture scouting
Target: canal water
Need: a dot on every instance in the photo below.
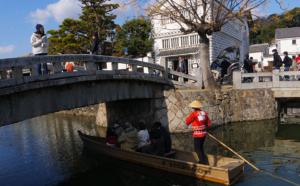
(47, 151)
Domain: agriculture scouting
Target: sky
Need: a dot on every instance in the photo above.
(18, 19)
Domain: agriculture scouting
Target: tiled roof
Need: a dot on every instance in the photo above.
(258, 48)
(287, 33)
(180, 51)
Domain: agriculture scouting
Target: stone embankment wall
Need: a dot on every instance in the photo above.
(171, 108)
(91, 110)
(230, 106)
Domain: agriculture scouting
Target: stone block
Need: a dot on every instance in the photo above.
(164, 103)
(172, 99)
(242, 94)
(171, 115)
(164, 121)
(158, 115)
(157, 94)
(186, 111)
(174, 108)
(158, 103)
(179, 113)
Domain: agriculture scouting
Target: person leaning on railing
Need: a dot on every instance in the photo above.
(39, 43)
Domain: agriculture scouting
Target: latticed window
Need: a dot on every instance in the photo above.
(174, 42)
(194, 39)
(166, 43)
(185, 41)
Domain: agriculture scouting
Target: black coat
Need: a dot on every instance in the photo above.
(224, 66)
(183, 67)
(286, 61)
(277, 61)
(95, 43)
(248, 65)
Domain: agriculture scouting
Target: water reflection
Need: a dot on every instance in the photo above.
(47, 151)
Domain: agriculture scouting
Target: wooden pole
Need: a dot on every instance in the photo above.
(249, 162)
(233, 151)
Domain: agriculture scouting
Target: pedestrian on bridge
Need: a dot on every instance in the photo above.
(39, 43)
(98, 48)
(200, 122)
(287, 61)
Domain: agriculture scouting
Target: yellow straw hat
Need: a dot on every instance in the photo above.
(196, 104)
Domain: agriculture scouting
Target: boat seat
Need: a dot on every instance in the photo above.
(230, 165)
(172, 152)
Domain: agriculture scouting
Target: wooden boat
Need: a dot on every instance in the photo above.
(219, 169)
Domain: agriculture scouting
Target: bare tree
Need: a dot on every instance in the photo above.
(204, 17)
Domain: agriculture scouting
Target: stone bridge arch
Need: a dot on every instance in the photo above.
(23, 97)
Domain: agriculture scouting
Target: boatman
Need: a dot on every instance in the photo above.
(200, 122)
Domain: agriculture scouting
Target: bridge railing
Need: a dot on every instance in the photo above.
(17, 65)
(265, 80)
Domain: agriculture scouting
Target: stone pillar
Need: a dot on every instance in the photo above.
(115, 66)
(33, 70)
(101, 117)
(17, 74)
(237, 79)
(3, 74)
(57, 68)
(275, 78)
(164, 63)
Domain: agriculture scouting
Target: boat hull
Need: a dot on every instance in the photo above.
(182, 162)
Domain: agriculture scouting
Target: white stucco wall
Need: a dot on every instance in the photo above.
(287, 45)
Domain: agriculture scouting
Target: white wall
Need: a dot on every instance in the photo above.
(259, 57)
(287, 45)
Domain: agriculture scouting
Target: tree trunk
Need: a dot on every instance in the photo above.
(208, 79)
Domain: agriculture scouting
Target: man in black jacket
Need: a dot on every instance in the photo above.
(248, 65)
(277, 61)
(287, 61)
(94, 50)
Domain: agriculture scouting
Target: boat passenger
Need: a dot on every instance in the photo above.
(200, 122)
(156, 145)
(129, 139)
(166, 135)
(143, 135)
(118, 130)
(111, 137)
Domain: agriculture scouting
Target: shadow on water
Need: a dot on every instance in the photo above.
(116, 172)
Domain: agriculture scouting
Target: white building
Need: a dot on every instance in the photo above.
(288, 39)
(170, 42)
(258, 51)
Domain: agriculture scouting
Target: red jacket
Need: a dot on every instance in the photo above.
(200, 121)
(111, 139)
(297, 59)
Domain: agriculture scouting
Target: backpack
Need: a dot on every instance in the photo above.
(101, 48)
(290, 62)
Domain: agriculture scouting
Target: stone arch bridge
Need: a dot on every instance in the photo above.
(23, 97)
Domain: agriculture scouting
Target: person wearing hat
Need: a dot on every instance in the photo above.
(39, 43)
(200, 121)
